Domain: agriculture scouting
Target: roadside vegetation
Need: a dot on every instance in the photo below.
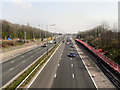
(105, 39)
(19, 34)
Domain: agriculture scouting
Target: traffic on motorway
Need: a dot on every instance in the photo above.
(64, 69)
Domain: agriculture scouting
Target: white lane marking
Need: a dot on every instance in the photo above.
(23, 61)
(58, 65)
(42, 68)
(12, 61)
(73, 76)
(87, 69)
(71, 58)
(11, 69)
(22, 56)
(31, 56)
(60, 58)
(71, 65)
(55, 76)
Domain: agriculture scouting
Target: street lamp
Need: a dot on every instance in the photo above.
(40, 33)
(54, 28)
(46, 37)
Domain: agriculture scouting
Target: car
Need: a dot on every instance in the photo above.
(67, 42)
(44, 45)
(72, 54)
(72, 46)
(54, 42)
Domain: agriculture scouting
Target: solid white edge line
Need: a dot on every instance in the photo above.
(27, 51)
(12, 61)
(87, 70)
(42, 68)
(22, 56)
(22, 71)
(11, 69)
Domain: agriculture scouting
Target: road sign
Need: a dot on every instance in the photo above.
(9, 38)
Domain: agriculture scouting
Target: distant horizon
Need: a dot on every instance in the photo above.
(69, 17)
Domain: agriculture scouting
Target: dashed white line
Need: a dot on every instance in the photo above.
(22, 56)
(73, 76)
(42, 68)
(55, 76)
(31, 56)
(71, 58)
(58, 65)
(11, 69)
(23, 61)
(12, 61)
(71, 65)
(60, 58)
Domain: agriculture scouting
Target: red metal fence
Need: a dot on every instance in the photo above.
(108, 61)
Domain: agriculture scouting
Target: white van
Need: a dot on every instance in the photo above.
(51, 41)
(67, 42)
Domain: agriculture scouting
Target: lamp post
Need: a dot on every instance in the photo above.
(40, 33)
(25, 37)
(53, 28)
(46, 37)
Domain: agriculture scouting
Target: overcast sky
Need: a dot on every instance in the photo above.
(69, 17)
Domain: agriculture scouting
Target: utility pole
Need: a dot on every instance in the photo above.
(46, 37)
(53, 28)
(97, 32)
(40, 33)
(25, 37)
(40, 36)
(33, 35)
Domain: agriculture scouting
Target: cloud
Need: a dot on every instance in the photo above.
(22, 3)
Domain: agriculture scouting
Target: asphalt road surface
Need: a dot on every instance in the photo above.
(45, 78)
(63, 71)
(14, 66)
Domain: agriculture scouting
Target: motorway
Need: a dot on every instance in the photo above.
(63, 72)
(14, 66)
